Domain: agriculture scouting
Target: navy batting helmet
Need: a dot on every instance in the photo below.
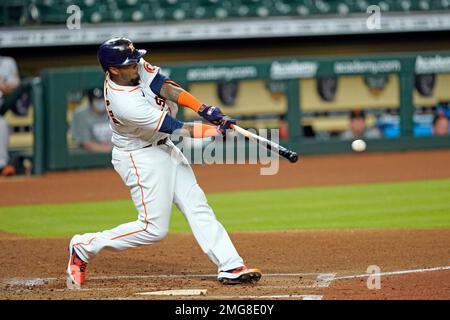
(118, 52)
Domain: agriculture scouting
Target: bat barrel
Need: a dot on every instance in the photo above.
(270, 145)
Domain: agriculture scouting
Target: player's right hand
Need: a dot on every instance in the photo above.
(225, 124)
(211, 113)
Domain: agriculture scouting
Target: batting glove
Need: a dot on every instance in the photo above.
(211, 113)
(225, 125)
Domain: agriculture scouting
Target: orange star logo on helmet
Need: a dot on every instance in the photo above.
(131, 47)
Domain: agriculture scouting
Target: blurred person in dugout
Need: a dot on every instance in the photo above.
(440, 124)
(90, 124)
(9, 81)
(358, 127)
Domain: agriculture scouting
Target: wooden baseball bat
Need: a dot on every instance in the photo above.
(269, 145)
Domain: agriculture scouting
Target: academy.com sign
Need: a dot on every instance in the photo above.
(293, 69)
(357, 66)
(435, 64)
(220, 73)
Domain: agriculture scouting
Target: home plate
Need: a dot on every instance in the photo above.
(180, 292)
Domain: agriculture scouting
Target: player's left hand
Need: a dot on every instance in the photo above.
(225, 124)
(211, 113)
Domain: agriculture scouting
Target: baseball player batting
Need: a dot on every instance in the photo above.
(142, 104)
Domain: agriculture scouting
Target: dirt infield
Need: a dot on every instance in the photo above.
(310, 264)
(292, 262)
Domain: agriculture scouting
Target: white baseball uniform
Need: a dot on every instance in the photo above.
(155, 176)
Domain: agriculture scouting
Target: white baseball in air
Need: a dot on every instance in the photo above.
(359, 145)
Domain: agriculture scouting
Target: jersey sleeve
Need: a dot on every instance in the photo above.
(151, 76)
(170, 125)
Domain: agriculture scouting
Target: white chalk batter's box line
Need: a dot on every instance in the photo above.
(323, 278)
(320, 276)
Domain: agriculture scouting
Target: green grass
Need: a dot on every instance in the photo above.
(420, 204)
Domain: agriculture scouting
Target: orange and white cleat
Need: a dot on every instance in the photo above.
(239, 275)
(76, 270)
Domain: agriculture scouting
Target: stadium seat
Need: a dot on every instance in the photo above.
(51, 12)
(13, 12)
(259, 8)
(135, 13)
(95, 14)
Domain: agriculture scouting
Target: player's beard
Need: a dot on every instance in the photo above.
(136, 80)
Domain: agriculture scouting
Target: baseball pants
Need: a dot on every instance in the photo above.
(157, 177)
